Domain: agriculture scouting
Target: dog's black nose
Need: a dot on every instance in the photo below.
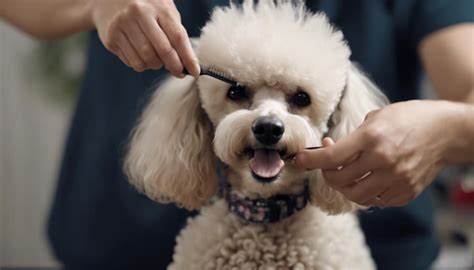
(268, 129)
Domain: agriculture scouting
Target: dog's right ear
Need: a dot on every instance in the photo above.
(170, 156)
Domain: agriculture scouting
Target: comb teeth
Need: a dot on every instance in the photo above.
(215, 73)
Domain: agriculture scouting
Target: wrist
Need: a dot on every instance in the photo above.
(459, 148)
(468, 134)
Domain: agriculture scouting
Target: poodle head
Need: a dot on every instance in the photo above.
(296, 84)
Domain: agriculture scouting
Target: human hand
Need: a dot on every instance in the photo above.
(145, 34)
(392, 157)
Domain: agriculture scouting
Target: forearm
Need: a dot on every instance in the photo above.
(48, 19)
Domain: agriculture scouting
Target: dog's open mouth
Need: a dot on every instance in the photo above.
(266, 164)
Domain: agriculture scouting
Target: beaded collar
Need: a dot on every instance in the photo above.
(268, 210)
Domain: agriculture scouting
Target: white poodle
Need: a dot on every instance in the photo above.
(296, 84)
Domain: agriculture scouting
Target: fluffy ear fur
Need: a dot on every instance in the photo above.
(361, 96)
(170, 156)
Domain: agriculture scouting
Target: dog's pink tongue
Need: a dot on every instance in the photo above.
(266, 163)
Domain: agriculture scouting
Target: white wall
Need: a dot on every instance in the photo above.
(32, 130)
(2, 150)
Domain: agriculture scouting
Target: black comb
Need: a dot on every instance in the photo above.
(313, 147)
(212, 72)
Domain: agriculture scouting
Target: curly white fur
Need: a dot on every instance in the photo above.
(171, 156)
(274, 48)
(217, 239)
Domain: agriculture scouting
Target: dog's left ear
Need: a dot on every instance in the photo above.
(171, 158)
(359, 98)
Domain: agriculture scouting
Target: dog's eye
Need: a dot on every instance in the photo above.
(237, 92)
(300, 99)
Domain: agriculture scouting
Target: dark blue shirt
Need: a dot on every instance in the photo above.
(98, 221)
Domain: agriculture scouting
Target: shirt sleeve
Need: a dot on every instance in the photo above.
(423, 17)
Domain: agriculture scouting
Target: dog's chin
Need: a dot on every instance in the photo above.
(265, 180)
(266, 163)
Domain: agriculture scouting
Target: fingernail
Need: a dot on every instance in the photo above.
(298, 159)
(197, 69)
(292, 158)
(295, 160)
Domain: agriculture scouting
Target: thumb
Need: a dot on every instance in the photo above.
(371, 114)
(315, 158)
(327, 142)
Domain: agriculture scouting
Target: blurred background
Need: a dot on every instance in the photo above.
(34, 117)
(38, 86)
